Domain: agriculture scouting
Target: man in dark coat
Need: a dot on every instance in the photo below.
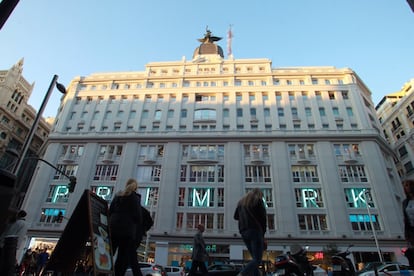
(199, 253)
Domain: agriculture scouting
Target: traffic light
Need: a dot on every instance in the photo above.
(72, 184)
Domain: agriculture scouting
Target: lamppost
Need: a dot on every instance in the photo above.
(374, 232)
(32, 131)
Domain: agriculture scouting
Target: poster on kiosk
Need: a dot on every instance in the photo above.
(85, 244)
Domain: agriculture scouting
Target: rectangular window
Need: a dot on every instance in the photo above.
(170, 113)
(267, 196)
(322, 111)
(318, 95)
(103, 191)
(72, 151)
(220, 197)
(149, 173)
(253, 112)
(280, 112)
(183, 113)
(362, 222)
(51, 215)
(220, 221)
(201, 197)
(151, 152)
(194, 219)
(402, 151)
(239, 112)
(353, 173)
(408, 167)
(106, 173)
(58, 194)
(181, 197)
(256, 151)
(309, 198)
(271, 225)
(179, 222)
(257, 174)
(278, 97)
(305, 174)
(313, 222)
(149, 196)
(69, 170)
(357, 198)
(213, 173)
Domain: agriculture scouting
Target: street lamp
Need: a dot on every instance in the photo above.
(33, 129)
(374, 232)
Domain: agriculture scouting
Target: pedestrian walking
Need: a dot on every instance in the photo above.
(42, 259)
(200, 254)
(10, 241)
(251, 216)
(125, 217)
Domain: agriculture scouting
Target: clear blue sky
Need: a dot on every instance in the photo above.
(79, 37)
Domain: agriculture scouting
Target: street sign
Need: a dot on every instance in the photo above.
(85, 242)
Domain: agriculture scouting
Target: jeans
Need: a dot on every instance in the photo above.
(195, 265)
(254, 241)
(127, 256)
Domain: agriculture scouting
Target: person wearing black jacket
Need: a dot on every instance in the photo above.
(125, 217)
(408, 212)
(147, 223)
(251, 216)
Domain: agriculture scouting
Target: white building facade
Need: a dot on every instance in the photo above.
(396, 115)
(198, 134)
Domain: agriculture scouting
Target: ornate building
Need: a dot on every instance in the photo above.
(17, 118)
(199, 133)
(396, 114)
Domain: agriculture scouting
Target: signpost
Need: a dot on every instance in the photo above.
(85, 243)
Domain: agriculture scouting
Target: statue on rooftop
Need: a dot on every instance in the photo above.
(208, 38)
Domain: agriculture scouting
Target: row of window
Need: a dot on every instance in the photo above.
(185, 83)
(189, 221)
(197, 126)
(292, 96)
(206, 151)
(208, 197)
(215, 173)
(211, 114)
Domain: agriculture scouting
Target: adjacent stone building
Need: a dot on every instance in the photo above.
(17, 118)
(396, 114)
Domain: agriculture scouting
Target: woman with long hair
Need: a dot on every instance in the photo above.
(125, 217)
(251, 216)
